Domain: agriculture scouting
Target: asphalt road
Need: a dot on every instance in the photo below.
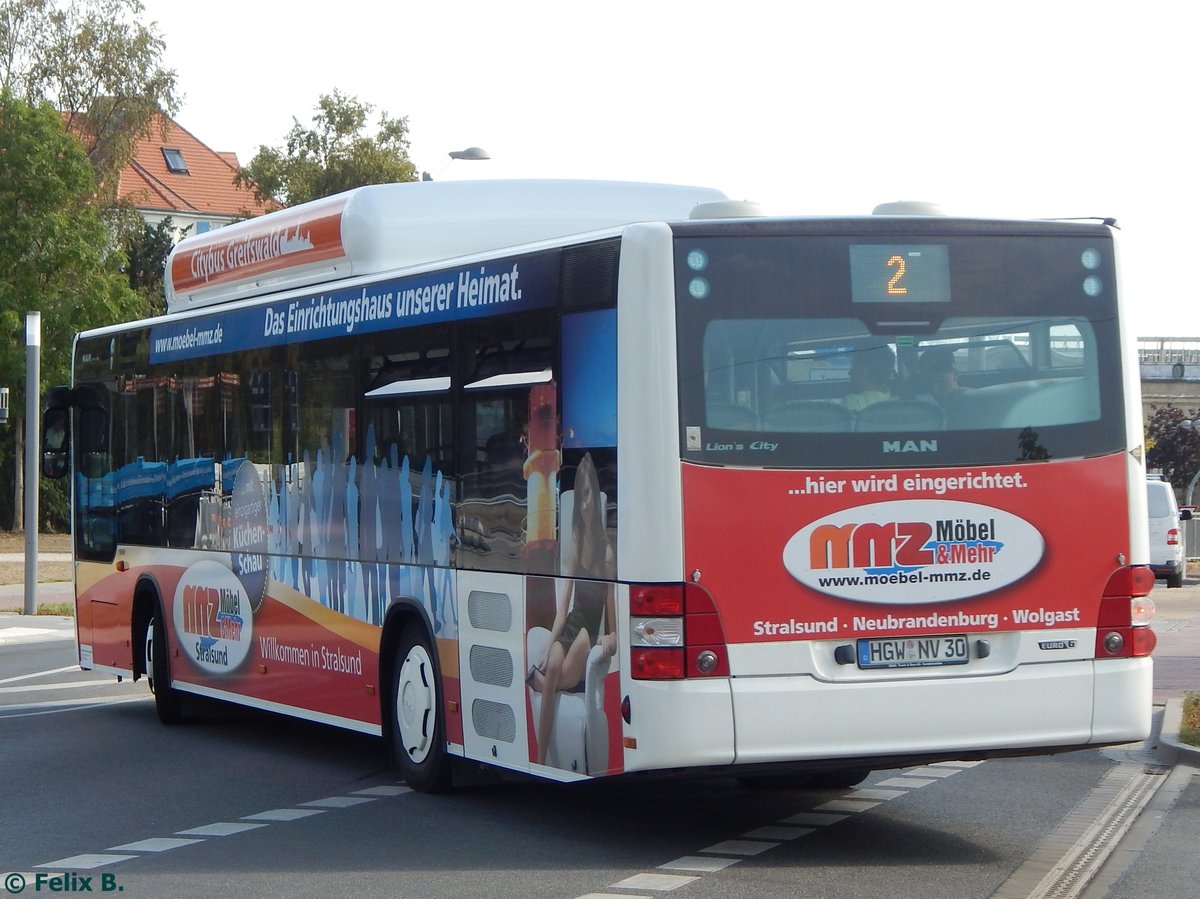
(93, 785)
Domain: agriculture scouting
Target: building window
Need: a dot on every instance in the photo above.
(174, 159)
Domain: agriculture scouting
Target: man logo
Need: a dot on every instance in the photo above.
(910, 446)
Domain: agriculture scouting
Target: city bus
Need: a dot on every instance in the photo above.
(583, 479)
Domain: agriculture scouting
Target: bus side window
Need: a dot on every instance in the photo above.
(507, 372)
(95, 510)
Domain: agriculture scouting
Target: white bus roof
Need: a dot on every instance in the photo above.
(389, 226)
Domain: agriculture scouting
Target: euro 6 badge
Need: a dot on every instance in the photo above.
(913, 551)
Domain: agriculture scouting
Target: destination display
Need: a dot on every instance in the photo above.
(900, 273)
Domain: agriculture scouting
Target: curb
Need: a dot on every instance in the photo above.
(1169, 738)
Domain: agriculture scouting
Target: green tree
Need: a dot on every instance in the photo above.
(56, 257)
(1171, 447)
(146, 249)
(98, 64)
(335, 154)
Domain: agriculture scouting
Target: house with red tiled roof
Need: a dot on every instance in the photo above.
(173, 174)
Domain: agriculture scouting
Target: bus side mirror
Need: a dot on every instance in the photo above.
(1185, 514)
(56, 433)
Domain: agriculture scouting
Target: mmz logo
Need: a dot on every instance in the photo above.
(904, 544)
(913, 551)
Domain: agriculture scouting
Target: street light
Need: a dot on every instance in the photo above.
(470, 153)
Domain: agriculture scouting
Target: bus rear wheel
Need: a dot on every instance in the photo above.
(167, 701)
(418, 731)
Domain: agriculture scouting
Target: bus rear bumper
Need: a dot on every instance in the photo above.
(1059, 705)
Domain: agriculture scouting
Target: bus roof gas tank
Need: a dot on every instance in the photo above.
(726, 209)
(908, 207)
(388, 227)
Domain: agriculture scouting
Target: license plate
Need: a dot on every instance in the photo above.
(913, 652)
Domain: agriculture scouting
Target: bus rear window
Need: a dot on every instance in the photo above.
(830, 376)
(787, 371)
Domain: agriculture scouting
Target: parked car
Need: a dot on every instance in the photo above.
(1166, 535)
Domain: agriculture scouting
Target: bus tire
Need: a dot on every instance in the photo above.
(418, 729)
(167, 701)
(1175, 579)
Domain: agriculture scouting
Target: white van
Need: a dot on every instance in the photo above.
(1166, 536)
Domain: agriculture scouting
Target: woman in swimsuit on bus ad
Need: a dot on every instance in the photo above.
(585, 609)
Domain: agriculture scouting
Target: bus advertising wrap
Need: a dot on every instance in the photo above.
(892, 552)
(515, 284)
(259, 247)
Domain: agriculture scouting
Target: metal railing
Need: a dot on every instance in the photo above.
(1168, 350)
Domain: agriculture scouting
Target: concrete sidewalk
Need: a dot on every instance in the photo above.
(12, 596)
(1177, 659)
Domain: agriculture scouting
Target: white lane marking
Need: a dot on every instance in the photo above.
(660, 883)
(739, 847)
(382, 791)
(907, 782)
(92, 860)
(284, 814)
(846, 805)
(219, 829)
(156, 844)
(47, 673)
(776, 832)
(793, 827)
(703, 864)
(939, 770)
(14, 635)
(54, 706)
(71, 685)
(339, 801)
(814, 819)
(872, 793)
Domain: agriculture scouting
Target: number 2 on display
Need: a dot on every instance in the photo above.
(894, 288)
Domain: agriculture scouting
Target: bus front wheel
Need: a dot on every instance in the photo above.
(167, 702)
(418, 731)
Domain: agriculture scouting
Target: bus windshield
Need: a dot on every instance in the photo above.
(986, 351)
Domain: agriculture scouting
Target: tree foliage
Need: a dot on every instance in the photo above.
(146, 249)
(94, 61)
(336, 153)
(80, 83)
(56, 254)
(1171, 447)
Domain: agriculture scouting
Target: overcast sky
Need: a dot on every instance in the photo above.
(1039, 108)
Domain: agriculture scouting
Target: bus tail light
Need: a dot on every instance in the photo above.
(1173, 537)
(1126, 610)
(675, 632)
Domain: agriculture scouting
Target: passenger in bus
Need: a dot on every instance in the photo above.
(871, 374)
(937, 376)
(586, 610)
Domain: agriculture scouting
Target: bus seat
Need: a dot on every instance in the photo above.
(1057, 403)
(730, 416)
(817, 416)
(901, 415)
